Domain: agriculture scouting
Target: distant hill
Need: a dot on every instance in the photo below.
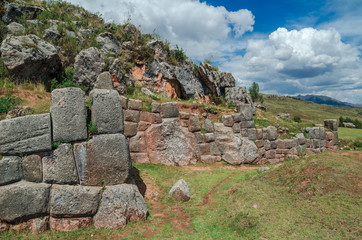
(319, 99)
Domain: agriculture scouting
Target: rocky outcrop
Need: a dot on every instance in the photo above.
(89, 63)
(15, 10)
(109, 44)
(31, 58)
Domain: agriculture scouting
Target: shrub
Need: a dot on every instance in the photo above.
(254, 93)
(297, 119)
(180, 54)
(91, 128)
(8, 103)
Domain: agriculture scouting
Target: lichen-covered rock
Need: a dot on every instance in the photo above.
(32, 167)
(170, 144)
(60, 166)
(69, 116)
(180, 191)
(16, 10)
(74, 201)
(237, 95)
(15, 28)
(104, 81)
(104, 160)
(23, 200)
(120, 204)
(89, 63)
(109, 44)
(26, 134)
(30, 58)
(107, 112)
(10, 170)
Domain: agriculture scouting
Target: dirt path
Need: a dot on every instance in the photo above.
(207, 198)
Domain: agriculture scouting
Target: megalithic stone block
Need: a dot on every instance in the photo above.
(107, 112)
(69, 116)
(26, 134)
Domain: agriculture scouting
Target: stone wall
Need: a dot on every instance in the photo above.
(52, 176)
(55, 175)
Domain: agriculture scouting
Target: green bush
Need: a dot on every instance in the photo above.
(254, 93)
(8, 103)
(180, 54)
(297, 119)
(92, 127)
(356, 122)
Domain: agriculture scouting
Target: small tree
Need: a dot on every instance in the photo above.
(254, 93)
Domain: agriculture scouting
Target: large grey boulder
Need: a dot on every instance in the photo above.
(32, 168)
(23, 200)
(69, 116)
(120, 204)
(170, 144)
(10, 170)
(60, 167)
(237, 95)
(74, 201)
(30, 58)
(107, 112)
(25, 134)
(104, 160)
(248, 152)
(89, 63)
(110, 44)
(15, 10)
(180, 191)
(52, 33)
(191, 86)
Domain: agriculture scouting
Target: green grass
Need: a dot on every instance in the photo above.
(317, 197)
(349, 133)
(350, 138)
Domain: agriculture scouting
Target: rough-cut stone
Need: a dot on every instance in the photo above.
(69, 116)
(180, 191)
(35, 225)
(331, 124)
(263, 169)
(138, 143)
(60, 167)
(135, 104)
(32, 167)
(30, 58)
(210, 159)
(199, 137)
(143, 126)
(89, 63)
(208, 126)
(301, 139)
(74, 201)
(236, 117)
(170, 144)
(148, 117)
(105, 159)
(10, 170)
(25, 134)
(246, 112)
(23, 200)
(107, 112)
(251, 134)
(247, 124)
(272, 133)
(236, 128)
(228, 120)
(209, 137)
(132, 116)
(194, 123)
(120, 204)
(169, 110)
(124, 101)
(130, 129)
(156, 107)
(322, 133)
(69, 224)
(104, 81)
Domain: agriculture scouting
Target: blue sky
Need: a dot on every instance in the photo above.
(289, 47)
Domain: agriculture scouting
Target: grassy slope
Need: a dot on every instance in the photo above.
(317, 197)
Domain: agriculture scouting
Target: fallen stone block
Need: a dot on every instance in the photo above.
(180, 191)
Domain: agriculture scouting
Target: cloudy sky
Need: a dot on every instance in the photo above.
(288, 46)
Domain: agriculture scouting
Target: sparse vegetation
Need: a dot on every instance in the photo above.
(92, 128)
(254, 93)
(8, 103)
